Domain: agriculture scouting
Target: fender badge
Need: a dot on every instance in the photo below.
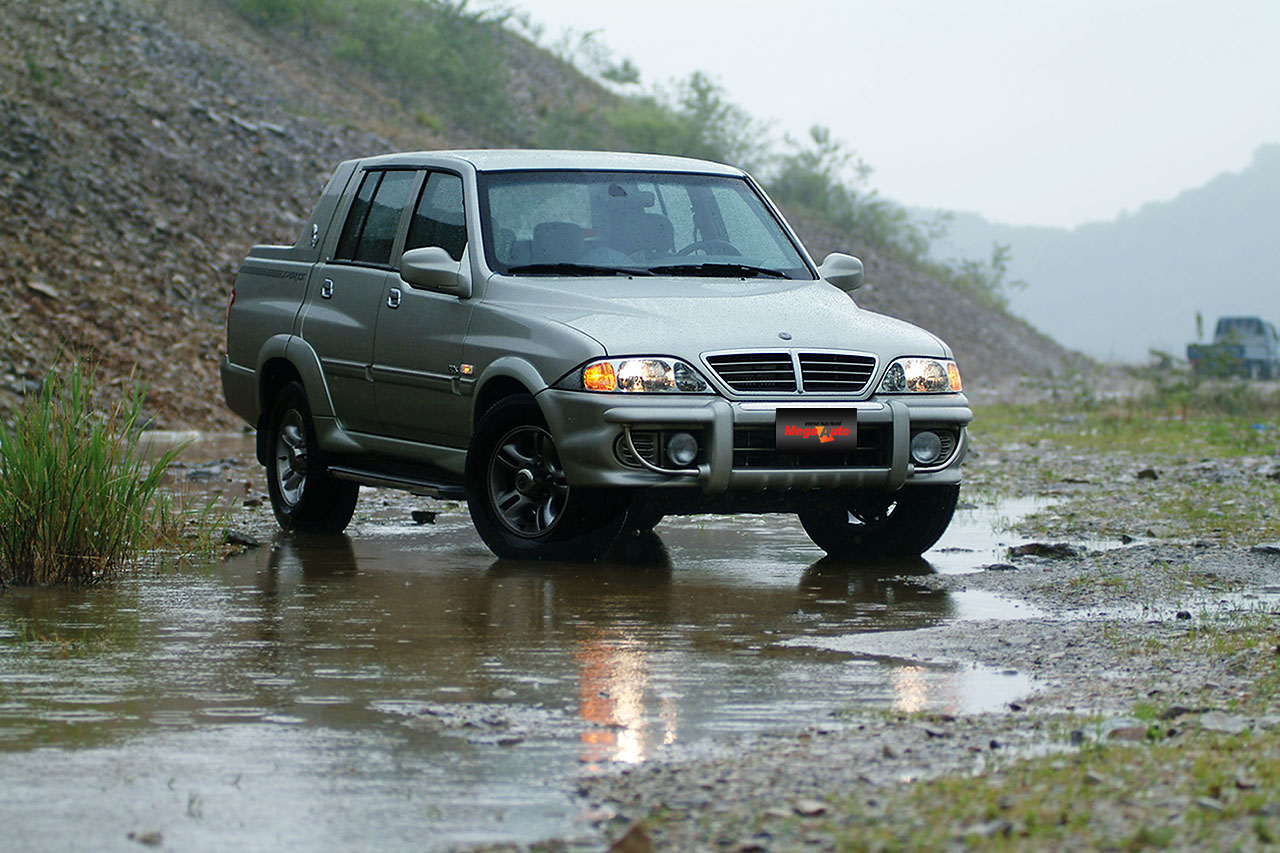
(786, 336)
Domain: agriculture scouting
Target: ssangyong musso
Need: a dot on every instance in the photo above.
(579, 343)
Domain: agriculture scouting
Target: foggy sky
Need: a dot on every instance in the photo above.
(1045, 113)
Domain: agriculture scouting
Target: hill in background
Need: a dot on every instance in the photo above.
(146, 144)
(1116, 290)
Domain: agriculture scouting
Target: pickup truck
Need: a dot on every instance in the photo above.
(1242, 346)
(578, 344)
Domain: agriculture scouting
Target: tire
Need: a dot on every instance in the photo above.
(520, 502)
(904, 524)
(303, 496)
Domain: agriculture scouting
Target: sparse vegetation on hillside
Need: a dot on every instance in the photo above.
(433, 45)
(147, 144)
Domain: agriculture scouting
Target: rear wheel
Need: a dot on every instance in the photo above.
(903, 524)
(303, 495)
(520, 500)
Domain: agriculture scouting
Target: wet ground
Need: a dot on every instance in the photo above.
(400, 688)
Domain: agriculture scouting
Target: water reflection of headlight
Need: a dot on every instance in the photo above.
(917, 688)
(614, 678)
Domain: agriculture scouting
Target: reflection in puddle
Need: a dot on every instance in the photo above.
(388, 689)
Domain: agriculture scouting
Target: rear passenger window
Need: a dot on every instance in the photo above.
(355, 219)
(439, 219)
(375, 214)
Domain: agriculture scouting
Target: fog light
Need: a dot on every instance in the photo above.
(682, 449)
(926, 447)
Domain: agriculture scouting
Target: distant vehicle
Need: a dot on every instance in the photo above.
(580, 343)
(1242, 346)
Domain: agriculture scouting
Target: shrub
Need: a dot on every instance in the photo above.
(78, 496)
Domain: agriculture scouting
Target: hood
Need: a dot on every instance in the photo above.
(686, 317)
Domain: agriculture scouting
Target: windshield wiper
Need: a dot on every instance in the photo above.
(712, 269)
(574, 269)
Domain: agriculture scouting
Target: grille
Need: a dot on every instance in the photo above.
(753, 447)
(755, 372)
(840, 373)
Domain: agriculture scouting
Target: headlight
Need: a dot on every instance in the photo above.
(921, 375)
(635, 375)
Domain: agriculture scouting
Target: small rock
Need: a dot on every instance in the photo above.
(1148, 474)
(1000, 567)
(504, 693)
(44, 289)
(150, 839)
(1183, 614)
(1176, 711)
(809, 808)
(990, 829)
(240, 538)
(1217, 721)
(995, 744)
(888, 751)
(1076, 737)
(1272, 548)
(1245, 780)
(423, 516)
(199, 475)
(1014, 706)
(1126, 539)
(251, 502)
(1051, 550)
(1128, 733)
(1210, 803)
(935, 733)
(635, 840)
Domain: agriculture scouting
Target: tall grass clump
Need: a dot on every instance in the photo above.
(78, 495)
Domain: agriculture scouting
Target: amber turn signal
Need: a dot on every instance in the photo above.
(599, 377)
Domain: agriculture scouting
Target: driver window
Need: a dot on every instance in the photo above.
(439, 219)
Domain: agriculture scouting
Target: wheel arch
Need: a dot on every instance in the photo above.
(503, 378)
(284, 359)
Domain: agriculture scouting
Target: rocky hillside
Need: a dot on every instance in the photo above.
(146, 144)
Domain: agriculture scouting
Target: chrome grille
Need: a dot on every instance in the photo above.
(833, 372)
(755, 372)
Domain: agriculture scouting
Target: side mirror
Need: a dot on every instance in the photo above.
(433, 269)
(844, 271)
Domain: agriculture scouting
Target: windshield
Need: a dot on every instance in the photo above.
(632, 223)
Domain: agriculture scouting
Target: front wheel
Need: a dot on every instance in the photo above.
(903, 524)
(521, 503)
(303, 496)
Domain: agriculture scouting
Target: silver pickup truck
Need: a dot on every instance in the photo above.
(579, 343)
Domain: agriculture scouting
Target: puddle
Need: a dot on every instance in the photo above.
(401, 688)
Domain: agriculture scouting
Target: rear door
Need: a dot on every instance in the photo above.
(417, 370)
(348, 289)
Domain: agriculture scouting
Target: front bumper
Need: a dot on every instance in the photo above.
(588, 427)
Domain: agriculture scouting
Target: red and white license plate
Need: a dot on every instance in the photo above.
(816, 430)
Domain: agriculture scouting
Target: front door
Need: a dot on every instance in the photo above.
(417, 370)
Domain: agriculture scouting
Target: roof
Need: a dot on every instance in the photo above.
(497, 160)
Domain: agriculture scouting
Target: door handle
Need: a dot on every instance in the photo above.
(326, 289)
(393, 298)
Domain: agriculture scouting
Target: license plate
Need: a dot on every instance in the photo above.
(816, 430)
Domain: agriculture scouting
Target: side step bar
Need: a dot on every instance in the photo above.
(413, 485)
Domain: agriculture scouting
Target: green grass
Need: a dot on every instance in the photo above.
(1182, 787)
(78, 498)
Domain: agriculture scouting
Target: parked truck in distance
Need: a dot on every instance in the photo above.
(1242, 346)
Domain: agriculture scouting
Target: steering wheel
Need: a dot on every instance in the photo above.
(725, 247)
